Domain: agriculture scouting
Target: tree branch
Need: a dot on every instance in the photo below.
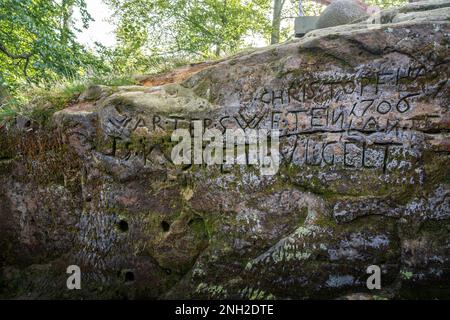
(14, 56)
(24, 56)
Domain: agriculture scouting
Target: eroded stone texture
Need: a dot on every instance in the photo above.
(363, 112)
(340, 12)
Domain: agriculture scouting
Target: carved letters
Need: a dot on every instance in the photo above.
(351, 121)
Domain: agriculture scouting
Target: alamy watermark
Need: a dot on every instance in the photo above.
(259, 147)
(74, 280)
(374, 281)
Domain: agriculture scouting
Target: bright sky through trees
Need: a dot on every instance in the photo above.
(100, 30)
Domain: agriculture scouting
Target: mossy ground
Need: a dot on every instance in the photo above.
(40, 102)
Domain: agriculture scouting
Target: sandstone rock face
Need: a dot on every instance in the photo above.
(364, 119)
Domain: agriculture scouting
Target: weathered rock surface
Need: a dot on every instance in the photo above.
(340, 12)
(364, 116)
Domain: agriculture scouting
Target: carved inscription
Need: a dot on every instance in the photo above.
(369, 120)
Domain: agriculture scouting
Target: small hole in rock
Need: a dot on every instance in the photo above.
(165, 226)
(123, 225)
(322, 256)
(129, 276)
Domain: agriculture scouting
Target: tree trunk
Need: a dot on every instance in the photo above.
(67, 12)
(276, 21)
